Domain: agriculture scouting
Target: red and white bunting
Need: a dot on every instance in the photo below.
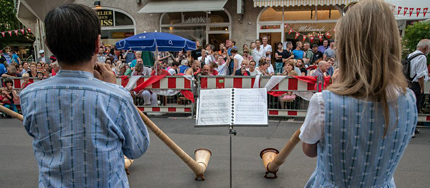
(29, 30)
(399, 10)
(405, 11)
(291, 30)
(22, 31)
(328, 35)
(3, 33)
(311, 38)
(10, 33)
(304, 38)
(425, 11)
(418, 11)
(297, 35)
(16, 32)
(320, 37)
(411, 10)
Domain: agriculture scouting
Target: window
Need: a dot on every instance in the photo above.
(122, 19)
(271, 14)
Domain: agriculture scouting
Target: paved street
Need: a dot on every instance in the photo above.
(160, 167)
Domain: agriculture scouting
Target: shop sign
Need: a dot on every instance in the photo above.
(311, 29)
(198, 19)
(105, 17)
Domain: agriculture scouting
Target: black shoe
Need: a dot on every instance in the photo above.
(417, 131)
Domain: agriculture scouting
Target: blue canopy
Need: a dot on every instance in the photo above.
(150, 41)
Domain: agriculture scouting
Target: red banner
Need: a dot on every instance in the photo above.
(10, 33)
(320, 37)
(291, 30)
(297, 35)
(405, 11)
(312, 38)
(425, 11)
(399, 9)
(304, 38)
(411, 10)
(418, 11)
(16, 32)
(22, 31)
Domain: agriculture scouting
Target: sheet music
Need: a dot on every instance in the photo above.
(250, 106)
(214, 107)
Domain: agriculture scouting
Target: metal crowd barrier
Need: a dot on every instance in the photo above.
(169, 97)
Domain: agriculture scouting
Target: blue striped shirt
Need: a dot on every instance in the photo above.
(82, 128)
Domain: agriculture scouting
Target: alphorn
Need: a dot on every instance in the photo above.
(273, 159)
(198, 166)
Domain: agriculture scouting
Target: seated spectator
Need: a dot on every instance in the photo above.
(128, 70)
(11, 72)
(289, 68)
(330, 64)
(195, 67)
(39, 67)
(301, 65)
(8, 95)
(184, 66)
(252, 70)
(262, 67)
(26, 82)
(159, 69)
(174, 69)
(204, 71)
(243, 69)
(40, 75)
(25, 68)
(270, 70)
(138, 70)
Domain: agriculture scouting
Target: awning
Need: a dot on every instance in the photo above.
(183, 6)
(292, 3)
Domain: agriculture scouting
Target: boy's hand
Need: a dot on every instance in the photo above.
(104, 73)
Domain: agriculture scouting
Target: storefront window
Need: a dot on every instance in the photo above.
(190, 32)
(297, 15)
(116, 25)
(194, 17)
(122, 19)
(328, 15)
(270, 27)
(171, 18)
(218, 17)
(271, 14)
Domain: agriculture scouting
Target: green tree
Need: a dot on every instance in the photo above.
(413, 34)
(8, 22)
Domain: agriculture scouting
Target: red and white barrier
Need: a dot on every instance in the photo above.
(169, 82)
(287, 113)
(165, 109)
(226, 82)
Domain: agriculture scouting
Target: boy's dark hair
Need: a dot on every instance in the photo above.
(8, 80)
(234, 50)
(71, 33)
(175, 63)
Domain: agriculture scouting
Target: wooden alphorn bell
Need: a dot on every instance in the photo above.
(273, 159)
(198, 166)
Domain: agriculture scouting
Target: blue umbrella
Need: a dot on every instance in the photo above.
(156, 41)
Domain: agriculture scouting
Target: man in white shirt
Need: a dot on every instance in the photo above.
(267, 48)
(257, 52)
(206, 57)
(270, 69)
(419, 72)
(237, 60)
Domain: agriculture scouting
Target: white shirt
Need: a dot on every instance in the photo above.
(254, 73)
(257, 55)
(208, 59)
(222, 70)
(172, 71)
(270, 70)
(239, 60)
(312, 129)
(266, 49)
(419, 66)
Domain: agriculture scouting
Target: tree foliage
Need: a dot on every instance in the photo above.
(413, 34)
(8, 20)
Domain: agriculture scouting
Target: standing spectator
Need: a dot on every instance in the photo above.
(206, 57)
(33, 70)
(55, 68)
(25, 68)
(42, 56)
(419, 72)
(243, 69)
(148, 59)
(128, 56)
(317, 54)
(279, 64)
(267, 48)
(237, 61)
(301, 65)
(329, 52)
(262, 68)
(319, 73)
(11, 72)
(26, 82)
(270, 69)
(288, 68)
(323, 47)
(308, 54)
(15, 57)
(222, 66)
(101, 57)
(288, 53)
(258, 52)
(330, 64)
(138, 55)
(231, 45)
(245, 47)
(298, 52)
(246, 55)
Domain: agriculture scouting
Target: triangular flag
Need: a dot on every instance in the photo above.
(399, 9)
(410, 11)
(291, 30)
(22, 31)
(10, 33)
(297, 35)
(285, 25)
(405, 11)
(320, 37)
(312, 39)
(418, 11)
(2, 33)
(425, 11)
(16, 32)
(304, 38)
(29, 30)
(328, 35)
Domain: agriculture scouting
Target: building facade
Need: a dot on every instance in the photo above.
(215, 21)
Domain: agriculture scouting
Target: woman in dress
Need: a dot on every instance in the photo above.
(360, 126)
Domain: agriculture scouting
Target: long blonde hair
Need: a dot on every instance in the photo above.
(368, 52)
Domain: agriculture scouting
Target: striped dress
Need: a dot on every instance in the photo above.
(352, 151)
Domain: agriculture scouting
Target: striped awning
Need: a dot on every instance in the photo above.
(292, 3)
